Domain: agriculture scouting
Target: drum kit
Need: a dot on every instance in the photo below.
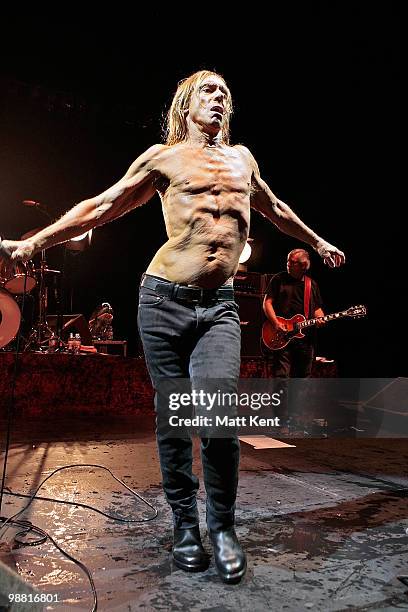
(17, 281)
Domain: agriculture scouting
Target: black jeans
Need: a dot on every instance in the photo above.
(185, 340)
(295, 360)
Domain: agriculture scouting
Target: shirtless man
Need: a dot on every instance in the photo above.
(187, 315)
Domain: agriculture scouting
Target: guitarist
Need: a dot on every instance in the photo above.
(285, 297)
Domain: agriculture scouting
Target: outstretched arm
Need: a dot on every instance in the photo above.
(265, 202)
(135, 188)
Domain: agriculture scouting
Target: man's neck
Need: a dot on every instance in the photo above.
(298, 278)
(197, 136)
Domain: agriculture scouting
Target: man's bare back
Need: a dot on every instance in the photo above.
(205, 192)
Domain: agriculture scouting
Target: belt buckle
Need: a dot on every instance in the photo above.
(201, 296)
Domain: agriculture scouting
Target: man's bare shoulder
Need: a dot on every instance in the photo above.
(248, 156)
(148, 160)
(155, 152)
(245, 152)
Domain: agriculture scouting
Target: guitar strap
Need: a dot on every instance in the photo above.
(306, 303)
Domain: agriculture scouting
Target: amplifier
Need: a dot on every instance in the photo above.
(248, 282)
(251, 318)
(251, 283)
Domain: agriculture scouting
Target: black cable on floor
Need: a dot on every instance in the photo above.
(28, 526)
(44, 536)
(61, 501)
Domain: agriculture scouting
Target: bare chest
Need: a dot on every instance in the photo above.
(208, 171)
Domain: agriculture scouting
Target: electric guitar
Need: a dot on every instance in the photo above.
(276, 339)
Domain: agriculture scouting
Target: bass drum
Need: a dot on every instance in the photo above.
(18, 276)
(10, 318)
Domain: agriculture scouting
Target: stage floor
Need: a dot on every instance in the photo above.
(325, 524)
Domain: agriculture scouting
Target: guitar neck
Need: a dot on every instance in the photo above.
(329, 317)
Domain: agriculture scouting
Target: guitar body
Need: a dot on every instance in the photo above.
(275, 339)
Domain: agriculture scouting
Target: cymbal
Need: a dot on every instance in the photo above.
(31, 233)
(47, 271)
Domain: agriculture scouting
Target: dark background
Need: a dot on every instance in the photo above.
(317, 90)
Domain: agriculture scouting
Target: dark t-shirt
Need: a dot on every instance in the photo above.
(287, 295)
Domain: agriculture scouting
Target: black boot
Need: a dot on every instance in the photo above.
(188, 552)
(228, 555)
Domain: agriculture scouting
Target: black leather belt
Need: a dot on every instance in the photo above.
(195, 295)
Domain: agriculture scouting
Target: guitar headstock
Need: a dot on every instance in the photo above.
(355, 311)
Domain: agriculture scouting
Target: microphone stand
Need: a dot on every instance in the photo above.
(41, 332)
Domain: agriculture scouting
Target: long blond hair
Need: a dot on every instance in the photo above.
(176, 120)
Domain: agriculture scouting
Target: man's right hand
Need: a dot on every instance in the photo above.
(280, 327)
(16, 250)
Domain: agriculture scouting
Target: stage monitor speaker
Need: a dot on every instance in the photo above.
(252, 317)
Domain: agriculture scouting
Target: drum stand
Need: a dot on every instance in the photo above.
(41, 332)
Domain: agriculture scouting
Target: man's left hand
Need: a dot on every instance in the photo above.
(331, 255)
(318, 315)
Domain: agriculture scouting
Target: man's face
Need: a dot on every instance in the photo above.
(296, 266)
(208, 104)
